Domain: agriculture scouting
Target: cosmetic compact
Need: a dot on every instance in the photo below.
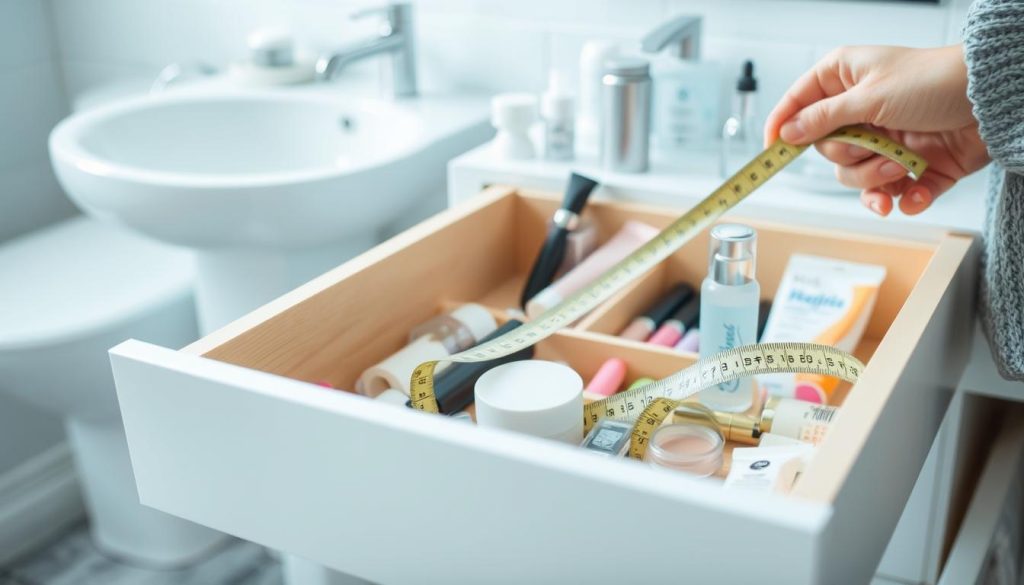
(693, 448)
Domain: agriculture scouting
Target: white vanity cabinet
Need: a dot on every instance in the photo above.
(235, 432)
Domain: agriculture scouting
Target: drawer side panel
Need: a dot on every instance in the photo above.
(869, 502)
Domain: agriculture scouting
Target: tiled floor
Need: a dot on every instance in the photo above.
(73, 560)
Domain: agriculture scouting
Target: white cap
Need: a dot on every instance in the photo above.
(536, 397)
(476, 318)
(557, 103)
(513, 111)
(269, 47)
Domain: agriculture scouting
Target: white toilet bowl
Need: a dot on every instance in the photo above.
(67, 294)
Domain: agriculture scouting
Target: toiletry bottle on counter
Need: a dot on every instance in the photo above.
(436, 339)
(625, 115)
(588, 124)
(512, 115)
(557, 110)
(685, 88)
(741, 134)
(728, 309)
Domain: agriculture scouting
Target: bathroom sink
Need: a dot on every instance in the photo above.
(270, 187)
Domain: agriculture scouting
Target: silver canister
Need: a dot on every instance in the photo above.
(625, 115)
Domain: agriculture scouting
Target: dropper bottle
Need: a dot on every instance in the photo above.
(728, 309)
(741, 134)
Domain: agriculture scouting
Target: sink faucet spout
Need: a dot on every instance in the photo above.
(394, 41)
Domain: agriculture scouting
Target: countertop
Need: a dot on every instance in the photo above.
(681, 180)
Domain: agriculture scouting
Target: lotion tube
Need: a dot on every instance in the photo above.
(629, 238)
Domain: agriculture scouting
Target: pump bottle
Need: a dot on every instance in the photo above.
(728, 309)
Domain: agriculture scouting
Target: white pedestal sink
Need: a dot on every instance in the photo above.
(270, 188)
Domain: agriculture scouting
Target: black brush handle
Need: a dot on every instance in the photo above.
(552, 253)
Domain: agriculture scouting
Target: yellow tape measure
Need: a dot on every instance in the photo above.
(651, 404)
(747, 180)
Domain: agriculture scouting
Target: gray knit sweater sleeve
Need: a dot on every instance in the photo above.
(994, 49)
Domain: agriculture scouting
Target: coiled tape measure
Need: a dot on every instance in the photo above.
(650, 404)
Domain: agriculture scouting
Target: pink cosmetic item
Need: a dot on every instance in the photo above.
(690, 342)
(606, 381)
(671, 332)
(627, 240)
(693, 448)
(581, 243)
(640, 328)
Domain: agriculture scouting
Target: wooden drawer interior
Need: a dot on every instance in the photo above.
(350, 318)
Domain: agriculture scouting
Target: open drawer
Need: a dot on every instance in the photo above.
(233, 431)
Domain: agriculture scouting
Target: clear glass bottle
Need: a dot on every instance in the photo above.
(458, 330)
(742, 133)
(728, 309)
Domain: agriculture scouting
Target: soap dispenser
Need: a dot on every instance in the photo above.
(686, 111)
(272, 60)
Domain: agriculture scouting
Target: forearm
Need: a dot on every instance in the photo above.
(994, 51)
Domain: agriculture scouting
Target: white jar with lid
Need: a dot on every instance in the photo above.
(536, 397)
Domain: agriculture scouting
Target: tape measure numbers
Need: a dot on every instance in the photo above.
(651, 404)
(747, 180)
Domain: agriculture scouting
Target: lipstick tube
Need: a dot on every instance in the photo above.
(672, 330)
(641, 327)
(606, 381)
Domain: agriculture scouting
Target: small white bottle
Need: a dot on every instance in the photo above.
(728, 309)
(557, 109)
(512, 115)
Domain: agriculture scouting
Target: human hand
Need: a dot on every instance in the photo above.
(918, 97)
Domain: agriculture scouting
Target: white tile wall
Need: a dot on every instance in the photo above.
(492, 45)
(31, 102)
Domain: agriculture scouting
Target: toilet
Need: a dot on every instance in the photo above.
(69, 292)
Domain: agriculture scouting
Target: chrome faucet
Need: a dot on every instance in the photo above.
(394, 38)
(682, 31)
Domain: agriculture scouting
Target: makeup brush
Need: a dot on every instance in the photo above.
(553, 251)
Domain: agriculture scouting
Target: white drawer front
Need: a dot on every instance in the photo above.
(331, 478)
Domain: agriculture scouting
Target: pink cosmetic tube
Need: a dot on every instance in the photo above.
(626, 241)
(690, 342)
(606, 381)
(672, 331)
(668, 334)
